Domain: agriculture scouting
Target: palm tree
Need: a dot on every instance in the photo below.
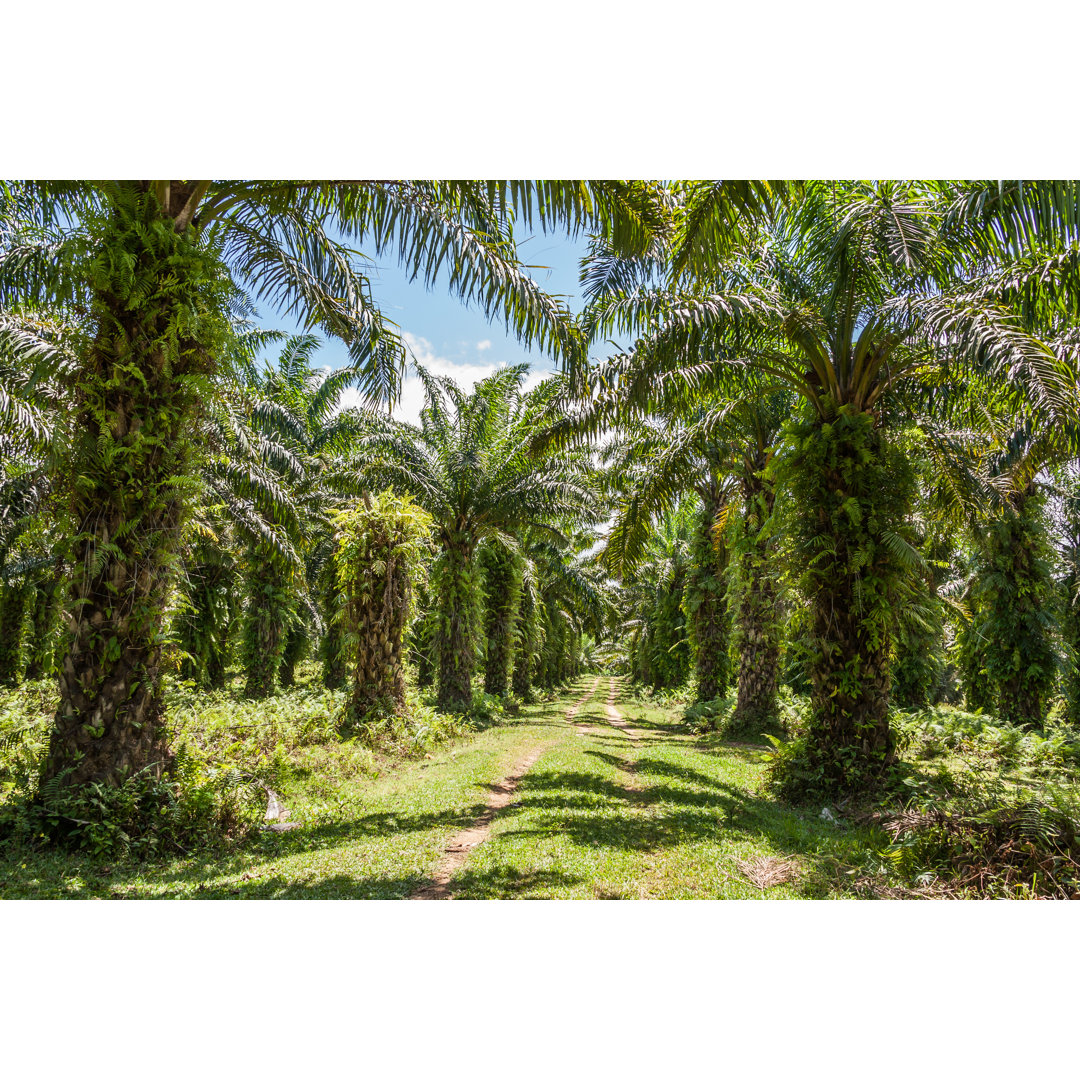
(501, 567)
(567, 594)
(143, 276)
(719, 442)
(469, 464)
(1007, 642)
(658, 639)
(851, 293)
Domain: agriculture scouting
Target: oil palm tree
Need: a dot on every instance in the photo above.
(715, 436)
(144, 275)
(470, 465)
(848, 296)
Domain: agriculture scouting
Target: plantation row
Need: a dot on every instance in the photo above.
(837, 451)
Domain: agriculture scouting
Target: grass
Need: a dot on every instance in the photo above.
(664, 816)
(671, 814)
(361, 835)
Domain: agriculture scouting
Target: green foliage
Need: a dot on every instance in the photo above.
(331, 651)
(1013, 601)
(853, 489)
(297, 646)
(46, 637)
(919, 661)
(705, 605)
(527, 643)
(502, 598)
(456, 584)
(205, 621)
(15, 601)
(141, 817)
(201, 801)
(756, 599)
(382, 544)
(270, 610)
(996, 812)
(1070, 632)
(660, 643)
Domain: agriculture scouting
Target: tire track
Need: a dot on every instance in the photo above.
(616, 718)
(460, 844)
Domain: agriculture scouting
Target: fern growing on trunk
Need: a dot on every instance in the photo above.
(381, 546)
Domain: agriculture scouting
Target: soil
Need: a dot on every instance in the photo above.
(614, 717)
(459, 846)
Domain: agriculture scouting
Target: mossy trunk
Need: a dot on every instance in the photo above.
(708, 618)
(555, 632)
(456, 592)
(502, 597)
(757, 619)
(525, 646)
(331, 645)
(1017, 593)
(377, 617)
(45, 636)
(156, 300)
(266, 622)
(379, 554)
(294, 650)
(669, 650)
(850, 488)
(15, 600)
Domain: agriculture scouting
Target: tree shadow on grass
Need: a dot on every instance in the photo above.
(592, 811)
(506, 882)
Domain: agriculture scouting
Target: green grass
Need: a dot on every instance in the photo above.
(361, 837)
(671, 814)
(664, 816)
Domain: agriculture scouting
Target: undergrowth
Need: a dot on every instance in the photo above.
(227, 752)
(975, 806)
(718, 717)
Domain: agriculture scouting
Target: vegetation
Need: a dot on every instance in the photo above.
(813, 521)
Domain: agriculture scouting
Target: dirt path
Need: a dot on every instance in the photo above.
(583, 727)
(460, 844)
(616, 718)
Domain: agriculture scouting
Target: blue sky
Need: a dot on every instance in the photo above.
(445, 335)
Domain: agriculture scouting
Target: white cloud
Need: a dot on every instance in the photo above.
(466, 376)
(482, 345)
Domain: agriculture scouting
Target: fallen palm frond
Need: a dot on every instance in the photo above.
(765, 871)
(1029, 848)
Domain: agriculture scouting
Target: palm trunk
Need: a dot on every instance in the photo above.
(502, 585)
(456, 592)
(293, 651)
(137, 391)
(48, 597)
(757, 619)
(850, 488)
(525, 647)
(707, 610)
(265, 626)
(14, 606)
(1017, 589)
(332, 644)
(215, 669)
(669, 662)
